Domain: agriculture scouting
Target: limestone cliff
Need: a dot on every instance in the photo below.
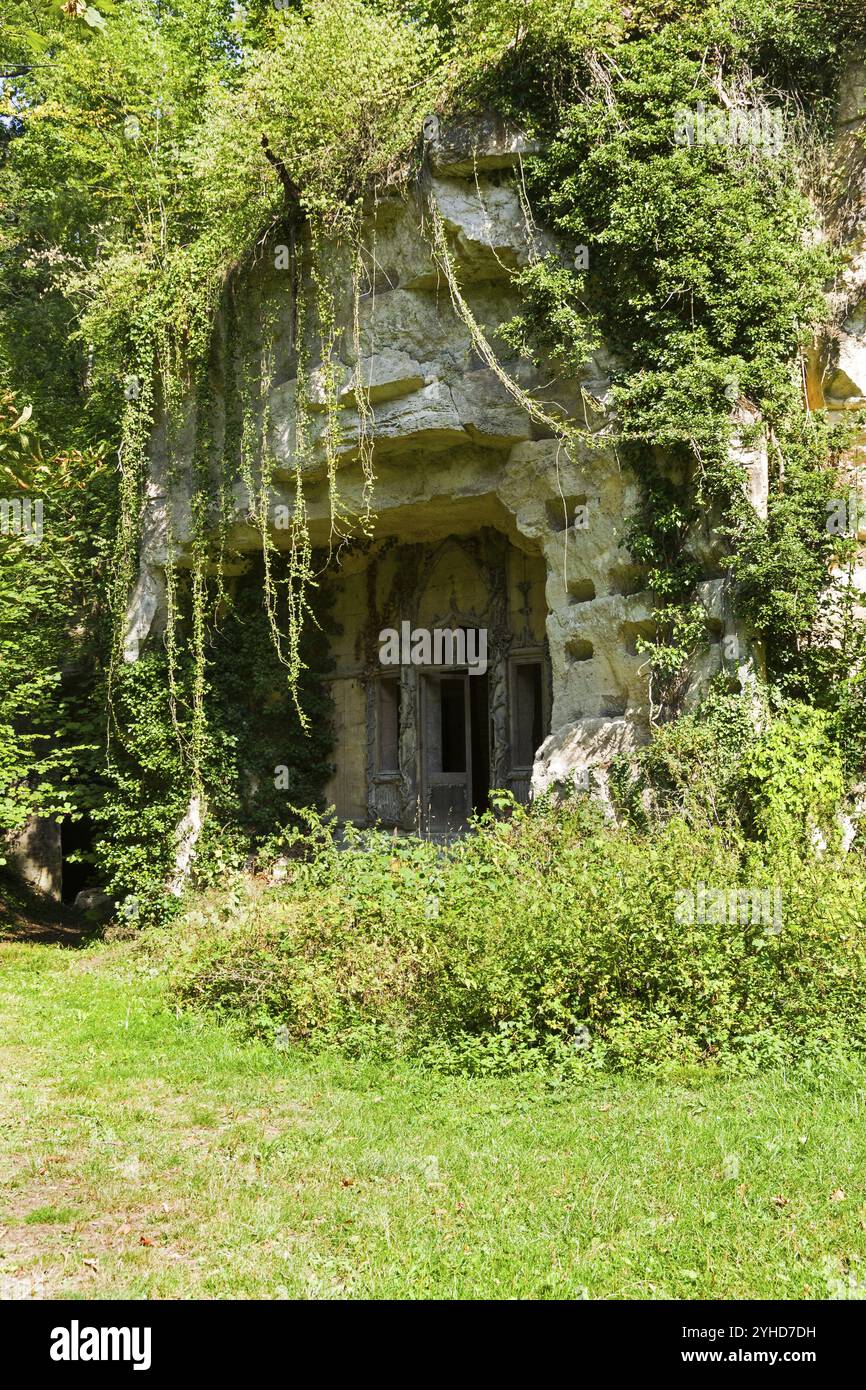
(455, 454)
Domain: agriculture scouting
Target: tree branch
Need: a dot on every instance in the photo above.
(293, 193)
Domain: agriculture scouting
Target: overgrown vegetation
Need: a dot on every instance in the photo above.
(49, 627)
(706, 928)
(150, 154)
(705, 280)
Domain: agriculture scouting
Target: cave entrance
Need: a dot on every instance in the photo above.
(455, 750)
(76, 845)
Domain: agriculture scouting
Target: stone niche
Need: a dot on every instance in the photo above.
(482, 520)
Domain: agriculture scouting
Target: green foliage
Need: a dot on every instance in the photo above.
(543, 939)
(850, 716)
(49, 633)
(750, 765)
(556, 322)
(704, 319)
(781, 564)
(793, 777)
(252, 707)
(140, 795)
(693, 767)
(141, 792)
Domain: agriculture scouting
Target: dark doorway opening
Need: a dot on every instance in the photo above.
(452, 715)
(76, 845)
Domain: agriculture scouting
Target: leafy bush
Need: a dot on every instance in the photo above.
(793, 776)
(693, 766)
(774, 778)
(705, 325)
(544, 938)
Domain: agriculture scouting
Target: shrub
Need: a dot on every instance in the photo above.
(793, 776)
(693, 767)
(545, 938)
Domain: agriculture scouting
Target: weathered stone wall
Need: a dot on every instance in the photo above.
(454, 453)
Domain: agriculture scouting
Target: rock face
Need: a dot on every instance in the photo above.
(474, 146)
(96, 906)
(836, 368)
(483, 519)
(35, 856)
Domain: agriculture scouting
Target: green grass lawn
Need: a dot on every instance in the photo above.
(145, 1154)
